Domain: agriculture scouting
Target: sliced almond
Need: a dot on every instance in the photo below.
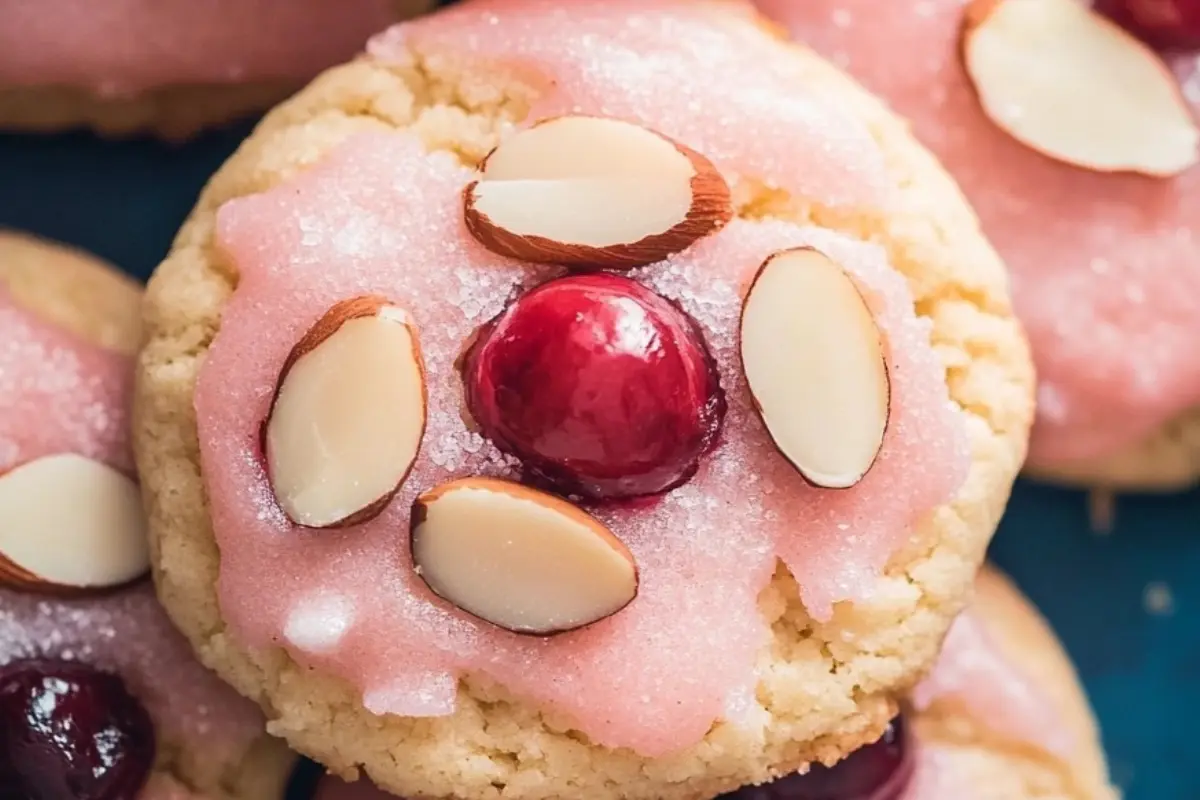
(348, 416)
(814, 362)
(591, 192)
(1072, 85)
(519, 558)
(70, 524)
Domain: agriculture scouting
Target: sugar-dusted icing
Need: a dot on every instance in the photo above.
(645, 678)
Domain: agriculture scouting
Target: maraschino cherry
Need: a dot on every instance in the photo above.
(879, 771)
(602, 388)
(1168, 24)
(70, 732)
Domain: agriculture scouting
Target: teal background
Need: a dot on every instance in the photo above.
(125, 200)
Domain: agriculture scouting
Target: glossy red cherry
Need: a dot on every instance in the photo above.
(879, 771)
(70, 732)
(601, 387)
(1170, 24)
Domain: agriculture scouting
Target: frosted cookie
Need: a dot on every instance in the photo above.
(1001, 717)
(100, 697)
(1096, 217)
(489, 475)
(171, 67)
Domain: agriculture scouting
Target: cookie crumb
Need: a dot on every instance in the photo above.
(1158, 600)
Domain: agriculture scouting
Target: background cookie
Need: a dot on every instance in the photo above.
(1054, 753)
(171, 68)
(824, 688)
(210, 742)
(1095, 254)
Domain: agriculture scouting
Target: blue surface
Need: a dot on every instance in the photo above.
(125, 200)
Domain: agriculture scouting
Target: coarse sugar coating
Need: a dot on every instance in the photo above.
(826, 668)
(71, 326)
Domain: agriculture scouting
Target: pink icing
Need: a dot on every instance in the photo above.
(1105, 269)
(127, 46)
(62, 395)
(939, 774)
(381, 215)
(640, 61)
(975, 671)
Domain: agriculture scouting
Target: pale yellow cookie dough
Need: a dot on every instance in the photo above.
(824, 688)
(1004, 769)
(170, 112)
(81, 293)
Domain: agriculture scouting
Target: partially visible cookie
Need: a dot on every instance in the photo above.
(1103, 254)
(171, 67)
(1002, 717)
(79, 622)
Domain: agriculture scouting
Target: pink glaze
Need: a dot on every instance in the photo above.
(1106, 271)
(64, 395)
(973, 670)
(643, 62)
(940, 773)
(379, 215)
(61, 393)
(128, 46)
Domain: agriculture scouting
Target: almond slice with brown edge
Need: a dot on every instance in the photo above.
(590, 192)
(519, 558)
(346, 423)
(1072, 85)
(70, 524)
(814, 362)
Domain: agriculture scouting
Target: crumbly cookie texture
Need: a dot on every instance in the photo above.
(172, 112)
(1002, 768)
(1167, 461)
(101, 304)
(824, 688)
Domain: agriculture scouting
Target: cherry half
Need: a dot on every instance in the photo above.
(879, 771)
(70, 732)
(1168, 24)
(602, 388)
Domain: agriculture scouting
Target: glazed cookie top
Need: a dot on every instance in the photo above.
(405, 375)
(1001, 709)
(122, 47)
(1095, 216)
(75, 610)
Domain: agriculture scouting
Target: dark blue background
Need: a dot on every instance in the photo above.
(125, 200)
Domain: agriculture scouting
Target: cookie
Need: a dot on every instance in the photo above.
(124, 67)
(774, 621)
(1002, 717)
(78, 615)
(1103, 258)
